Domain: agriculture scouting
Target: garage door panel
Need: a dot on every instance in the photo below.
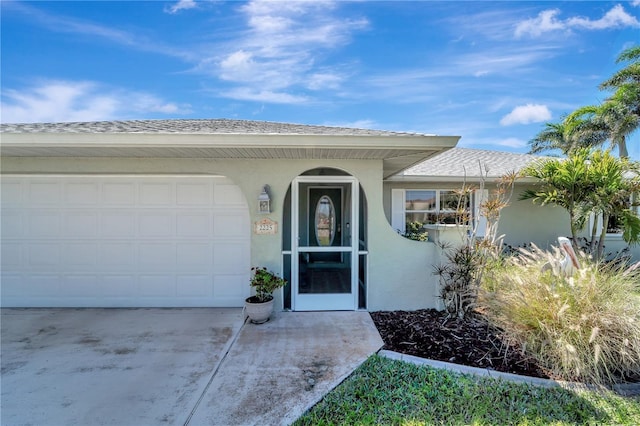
(194, 225)
(118, 194)
(12, 284)
(118, 224)
(42, 285)
(123, 286)
(229, 286)
(11, 257)
(44, 224)
(156, 194)
(83, 224)
(193, 194)
(156, 224)
(194, 285)
(157, 254)
(157, 285)
(12, 223)
(190, 255)
(80, 256)
(117, 255)
(124, 241)
(43, 256)
(43, 193)
(81, 193)
(12, 192)
(80, 285)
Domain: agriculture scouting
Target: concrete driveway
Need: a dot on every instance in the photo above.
(173, 366)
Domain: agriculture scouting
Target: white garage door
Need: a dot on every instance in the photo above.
(124, 241)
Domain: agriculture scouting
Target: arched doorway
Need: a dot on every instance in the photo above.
(325, 242)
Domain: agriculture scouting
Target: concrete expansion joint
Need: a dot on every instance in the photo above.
(215, 371)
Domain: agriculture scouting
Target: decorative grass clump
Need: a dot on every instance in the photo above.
(583, 327)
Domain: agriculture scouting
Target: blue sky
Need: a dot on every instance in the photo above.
(491, 72)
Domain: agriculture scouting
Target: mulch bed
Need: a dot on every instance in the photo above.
(473, 342)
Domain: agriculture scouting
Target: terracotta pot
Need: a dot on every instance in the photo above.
(258, 312)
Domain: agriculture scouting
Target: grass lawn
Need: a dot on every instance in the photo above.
(384, 391)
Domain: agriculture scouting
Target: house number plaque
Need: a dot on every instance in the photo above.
(266, 227)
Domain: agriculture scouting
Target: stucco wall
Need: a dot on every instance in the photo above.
(399, 270)
(522, 221)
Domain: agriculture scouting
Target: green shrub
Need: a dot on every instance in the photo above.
(585, 327)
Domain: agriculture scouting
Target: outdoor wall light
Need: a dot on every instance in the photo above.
(264, 201)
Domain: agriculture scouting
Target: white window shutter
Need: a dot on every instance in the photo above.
(479, 221)
(397, 210)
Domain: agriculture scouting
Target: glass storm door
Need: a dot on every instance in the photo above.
(325, 251)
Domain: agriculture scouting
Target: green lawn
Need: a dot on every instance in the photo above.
(384, 391)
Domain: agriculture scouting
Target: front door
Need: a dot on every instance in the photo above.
(325, 256)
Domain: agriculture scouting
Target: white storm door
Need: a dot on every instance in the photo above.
(324, 272)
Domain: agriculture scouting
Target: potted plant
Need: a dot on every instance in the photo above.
(260, 306)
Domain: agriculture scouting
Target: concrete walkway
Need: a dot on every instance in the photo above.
(173, 366)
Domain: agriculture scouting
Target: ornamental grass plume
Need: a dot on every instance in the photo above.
(584, 327)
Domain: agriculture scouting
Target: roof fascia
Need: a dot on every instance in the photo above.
(197, 140)
(454, 179)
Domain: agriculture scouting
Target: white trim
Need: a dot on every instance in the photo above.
(398, 214)
(479, 220)
(346, 301)
(399, 211)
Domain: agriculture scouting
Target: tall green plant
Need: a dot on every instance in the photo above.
(589, 183)
(612, 188)
(564, 183)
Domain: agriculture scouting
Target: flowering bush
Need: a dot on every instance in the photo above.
(265, 283)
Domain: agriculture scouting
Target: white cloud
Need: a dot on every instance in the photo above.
(547, 21)
(357, 124)
(269, 96)
(67, 24)
(617, 17)
(281, 50)
(525, 114)
(511, 143)
(181, 5)
(55, 101)
(324, 80)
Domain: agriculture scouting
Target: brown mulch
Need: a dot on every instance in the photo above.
(473, 342)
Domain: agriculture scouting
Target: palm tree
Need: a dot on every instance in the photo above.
(628, 75)
(563, 182)
(620, 112)
(588, 183)
(593, 125)
(554, 136)
(612, 190)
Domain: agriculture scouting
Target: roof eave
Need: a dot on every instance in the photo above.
(398, 152)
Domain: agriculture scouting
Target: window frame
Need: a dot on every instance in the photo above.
(399, 202)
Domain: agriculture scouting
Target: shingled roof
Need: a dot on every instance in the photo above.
(203, 126)
(458, 163)
(219, 139)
